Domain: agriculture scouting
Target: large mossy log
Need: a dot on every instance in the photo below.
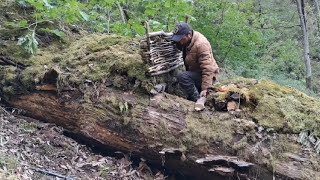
(163, 130)
(99, 91)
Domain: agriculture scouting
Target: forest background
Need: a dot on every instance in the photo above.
(276, 39)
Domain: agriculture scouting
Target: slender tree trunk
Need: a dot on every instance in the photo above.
(316, 3)
(260, 13)
(122, 13)
(303, 18)
(108, 14)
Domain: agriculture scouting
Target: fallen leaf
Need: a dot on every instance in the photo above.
(232, 106)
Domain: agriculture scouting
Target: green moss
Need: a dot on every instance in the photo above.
(92, 58)
(8, 75)
(209, 128)
(14, 51)
(8, 91)
(31, 76)
(241, 144)
(283, 145)
(274, 106)
(285, 108)
(120, 81)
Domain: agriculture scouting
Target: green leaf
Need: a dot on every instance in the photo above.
(23, 23)
(29, 43)
(139, 29)
(34, 43)
(150, 12)
(56, 32)
(37, 5)
(84, 15)
(167, 4)
(47, 4)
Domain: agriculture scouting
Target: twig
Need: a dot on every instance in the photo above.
(8, 61)
(48, 172)
(280, 26)
(168, 70)
(37, 22)
(5, 110)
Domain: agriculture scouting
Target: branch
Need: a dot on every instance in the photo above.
(281, 26)
(8, 61)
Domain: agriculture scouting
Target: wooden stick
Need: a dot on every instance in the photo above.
(187, 20)
(159, 33)
(48, 172)
(166, 71)
(147, 33)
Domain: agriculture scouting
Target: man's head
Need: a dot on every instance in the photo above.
(182, 34)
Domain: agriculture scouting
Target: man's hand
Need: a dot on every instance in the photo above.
(203, 93)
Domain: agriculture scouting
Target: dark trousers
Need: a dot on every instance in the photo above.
(190, 82)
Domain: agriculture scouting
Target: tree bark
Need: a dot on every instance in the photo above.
(316, 4)
(303, 21)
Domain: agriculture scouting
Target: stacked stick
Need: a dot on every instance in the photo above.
(160, 53)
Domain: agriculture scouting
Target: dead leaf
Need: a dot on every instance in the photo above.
(232, 106)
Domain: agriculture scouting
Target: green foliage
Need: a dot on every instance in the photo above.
(230, 27)
(106, 17)
(29, 43)
(20, 24)
(56, 32)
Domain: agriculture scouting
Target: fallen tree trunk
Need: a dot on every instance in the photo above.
(100, 93)
(163, 130)
(146, 129)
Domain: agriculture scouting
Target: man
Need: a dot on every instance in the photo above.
(201, 67)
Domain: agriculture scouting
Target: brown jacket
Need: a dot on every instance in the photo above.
(199, 58)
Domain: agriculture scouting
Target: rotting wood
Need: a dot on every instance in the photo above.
(138, 132)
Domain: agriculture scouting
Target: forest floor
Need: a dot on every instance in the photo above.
(30, 149)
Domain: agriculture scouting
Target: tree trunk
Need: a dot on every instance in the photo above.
(303, 21)
(316, 4)
(163, 130)
(108, 127)
(123, 17)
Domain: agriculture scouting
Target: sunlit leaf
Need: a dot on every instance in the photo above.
(167, 4)
(29, 43)
(56, 32)
(84, 15)
(47, 4)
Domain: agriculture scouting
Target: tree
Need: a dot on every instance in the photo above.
(316, 4)
(303, 21)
